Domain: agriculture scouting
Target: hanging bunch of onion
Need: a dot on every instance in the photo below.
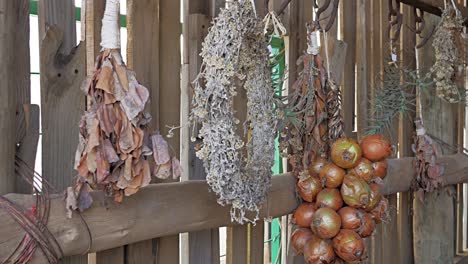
(342, 201)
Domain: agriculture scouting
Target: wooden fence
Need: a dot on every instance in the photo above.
(167, 65)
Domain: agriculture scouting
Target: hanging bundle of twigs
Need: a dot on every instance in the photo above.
(115, 147)
(303, 113)
(235, 56)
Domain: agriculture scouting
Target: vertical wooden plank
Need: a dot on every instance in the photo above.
(361, 64)
(434, 240)
(61, 98)
(201, 246)
(8, 18)
(111, 256)
(408, 42)
(60, 13)
(236, 245)
(154, 25)
(27, 116)
(94, 11)
(348, 31)
(257, 242)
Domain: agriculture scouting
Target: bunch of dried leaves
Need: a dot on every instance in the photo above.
(303, 116)
(448, 58)
(235, 56)
(428, 172)
(115, 149)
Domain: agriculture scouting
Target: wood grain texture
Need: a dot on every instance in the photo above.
(62, 105)
(58, 13)
(94, 11)
(434, 219)
(27, 149)
(11, 79)
(348, 33)
(200, 246)
(405, 139)
(111, 256)
(134, 220)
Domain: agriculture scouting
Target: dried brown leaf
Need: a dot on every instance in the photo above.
(160, 149)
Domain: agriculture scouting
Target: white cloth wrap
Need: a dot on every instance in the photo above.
(110, 31)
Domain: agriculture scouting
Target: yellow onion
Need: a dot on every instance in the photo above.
(299, 238)
(345, 152)
(363, 169)
(332, 175)
(309, 188)
(355, 191)
(326, 223)
(375, 147)
(330, 198)
(380, 168)
(380, 212)
(349, 245)
(319, 251)
(316, 166)
(350, 218)
(303, 214)
(374, 198)
(367, 225)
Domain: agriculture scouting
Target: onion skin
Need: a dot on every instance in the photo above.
(355, 191)
(380, 168)
(350, 218)
(349, 245)
(299, 239)
(375, 147)
(367, 225)
(309, 188)
(316, 166)
(380, 213)
(326, 223)
(345, 152)
(319, 251)
(332, 175)
(363, 169)
(330, 198)
(374, 198)
(304, 214)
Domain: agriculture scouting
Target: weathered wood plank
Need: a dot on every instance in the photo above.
(26, 151)
(94, 11)
(59, 13)
(111, 256)
(62, 72)
(434, 239)
(348, 33)
(405, 138)
(134, 220)
(62, 105)
(361, 65)
(434, 7)
(200, 246)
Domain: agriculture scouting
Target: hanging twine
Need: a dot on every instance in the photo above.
(271, 19)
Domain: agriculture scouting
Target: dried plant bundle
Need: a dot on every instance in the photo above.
(235, 56)
(116, 153)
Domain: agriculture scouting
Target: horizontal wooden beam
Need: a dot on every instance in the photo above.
(401, 172)
(434, 6)
(155, 211)
(167, 209)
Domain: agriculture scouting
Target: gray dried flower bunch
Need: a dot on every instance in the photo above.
(235, 56)
(447, 55)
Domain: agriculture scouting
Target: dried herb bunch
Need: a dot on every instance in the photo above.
(428, 172)
(235, 56)
(447, 43)
(393, 97)
(303, 116)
